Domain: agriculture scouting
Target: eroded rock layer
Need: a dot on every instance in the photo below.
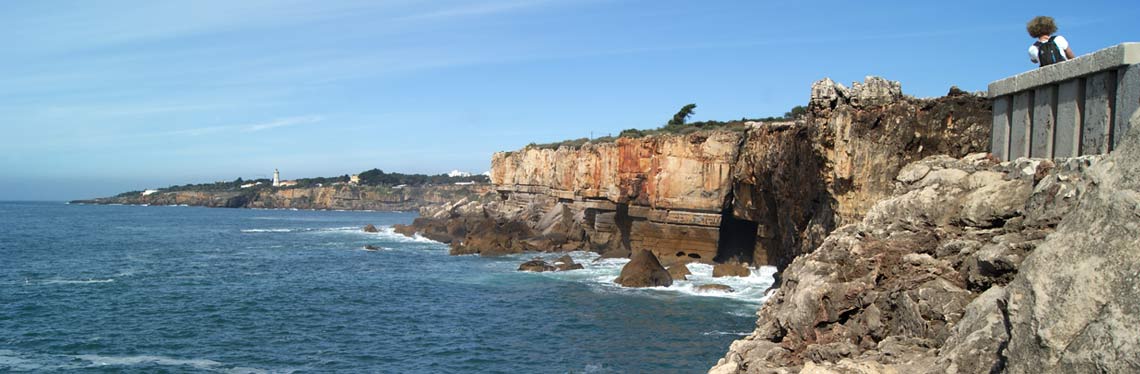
(762, 195)
(972, 266)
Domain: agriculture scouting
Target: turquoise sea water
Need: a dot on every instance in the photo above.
(109, 289)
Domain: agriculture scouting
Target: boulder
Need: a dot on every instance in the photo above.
(714, 287)
(370, 247)
(536, 265)
(679, 272)
(566, 263)
(643, 270)
(731, 269)
(370, 228)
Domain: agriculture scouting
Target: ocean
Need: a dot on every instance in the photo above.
(112, 289)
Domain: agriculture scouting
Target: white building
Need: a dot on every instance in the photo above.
(457, 173)
(276, 178)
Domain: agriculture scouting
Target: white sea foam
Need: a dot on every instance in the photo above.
(745, 333)
(77, 281)
(201, 364)
(254, 230)
(600, 274)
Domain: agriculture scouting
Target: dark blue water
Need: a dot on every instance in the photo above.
(180, 289)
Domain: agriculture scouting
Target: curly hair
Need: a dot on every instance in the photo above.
(1041, 25)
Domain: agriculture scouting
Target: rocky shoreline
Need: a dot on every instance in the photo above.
(338, 197)
(903, 247)
(973, 266)
(761, 196)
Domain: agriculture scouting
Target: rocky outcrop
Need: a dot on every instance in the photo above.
(643, 270)
(972, 266)
(679, 272)
(370, 228)
(338, 197)
(536, 265)
(760, 196)
(1073, 306)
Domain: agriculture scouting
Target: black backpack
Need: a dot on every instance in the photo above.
(1048, 53)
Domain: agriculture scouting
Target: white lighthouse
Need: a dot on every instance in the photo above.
(276, 178)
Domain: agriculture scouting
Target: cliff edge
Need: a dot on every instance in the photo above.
(762, 196)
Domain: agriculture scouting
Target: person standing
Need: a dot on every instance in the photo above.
(1048, 49)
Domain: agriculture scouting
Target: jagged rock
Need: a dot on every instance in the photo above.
(825, 93)
(536, 265)
(1073, 305)
(993, 203)
(370, 228)
(679, 272)
(566, 263)
(731, 269)
(875, 91)
(714, 287)
(643, 270)
(976, 344)
(898, 291)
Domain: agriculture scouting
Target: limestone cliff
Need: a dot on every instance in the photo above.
(762, 195)
(972, 266)
(338, 197)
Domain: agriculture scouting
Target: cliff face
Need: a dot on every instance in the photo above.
(972, 266)
(340, 197)
(761, 196)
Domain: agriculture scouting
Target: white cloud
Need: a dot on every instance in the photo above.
(282, 122)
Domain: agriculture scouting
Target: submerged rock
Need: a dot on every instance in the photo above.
(370, 247)
(536, 265)
(370, 228)
(714, 287)
(643, 270)
(565, 263)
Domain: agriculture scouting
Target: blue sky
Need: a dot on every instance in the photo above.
(103, 97)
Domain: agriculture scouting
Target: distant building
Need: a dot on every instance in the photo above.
(286, 183)
(248, 185)
(464, 183)
(149, 192)
(276, 178)
(457, 173)
(354, 179)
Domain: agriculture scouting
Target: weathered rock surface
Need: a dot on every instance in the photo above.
(762, 196)
(1075, 304)
(731, 269)
(643, 270)
(370, 228)
(924, 281)
(565, 263)
(679, 272)
(536, 265)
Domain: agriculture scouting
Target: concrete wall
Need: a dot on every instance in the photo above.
(1073, 108)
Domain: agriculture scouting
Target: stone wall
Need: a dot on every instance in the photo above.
(1077, 107)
